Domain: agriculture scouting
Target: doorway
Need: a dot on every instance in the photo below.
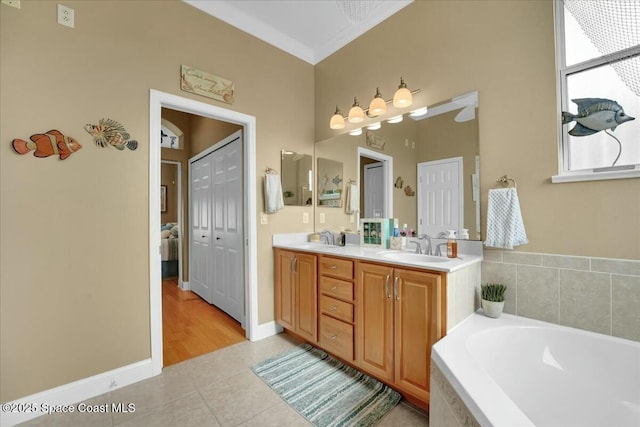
(159, 100)
(440, 196)
(382, 187)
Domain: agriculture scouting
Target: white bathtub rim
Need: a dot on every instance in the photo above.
(498, 408)
(483, 392)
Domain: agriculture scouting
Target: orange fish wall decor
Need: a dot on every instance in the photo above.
(47, 144)
(109, 132)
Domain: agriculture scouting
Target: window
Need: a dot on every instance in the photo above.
(598, 60)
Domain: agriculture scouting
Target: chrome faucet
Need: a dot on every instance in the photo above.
(438, 251)
(328, 236)
(427, 239)
(418, 246)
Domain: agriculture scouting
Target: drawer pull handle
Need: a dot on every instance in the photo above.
(333, 267)
(334, 288)
(334, 308)
(333, 337)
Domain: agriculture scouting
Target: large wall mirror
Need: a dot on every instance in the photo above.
(432, 165)
(297, 178)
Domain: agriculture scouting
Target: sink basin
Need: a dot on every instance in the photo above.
(412, 257)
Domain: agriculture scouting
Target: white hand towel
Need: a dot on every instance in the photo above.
(353, 200)
(505, 228)
(273, 200)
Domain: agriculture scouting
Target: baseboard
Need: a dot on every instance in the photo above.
(184, 285)
(75, 392)
(265, 330)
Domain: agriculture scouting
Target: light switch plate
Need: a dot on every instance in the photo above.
(264, 219)
(321, 217)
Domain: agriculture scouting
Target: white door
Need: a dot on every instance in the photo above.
(374, 190)
(440, 196)
(228, 248)
(200, 232)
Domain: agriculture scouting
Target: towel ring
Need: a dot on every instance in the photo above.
(504, 180)
(270, 171)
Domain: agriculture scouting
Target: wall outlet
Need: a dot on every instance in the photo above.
(66, 16)
(12, 3)
(305, 217)
(321, 217)
(264, 218)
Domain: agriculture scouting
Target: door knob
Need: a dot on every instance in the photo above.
(218, 238)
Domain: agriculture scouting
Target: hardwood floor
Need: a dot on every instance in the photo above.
(191, 327)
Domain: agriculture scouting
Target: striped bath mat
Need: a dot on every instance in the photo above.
(326, 391)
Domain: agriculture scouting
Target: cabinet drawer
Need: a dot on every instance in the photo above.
(336, 308)
(336, 337)
(337, 267)
(336, 288)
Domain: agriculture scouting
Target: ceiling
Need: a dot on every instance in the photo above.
(308, 29)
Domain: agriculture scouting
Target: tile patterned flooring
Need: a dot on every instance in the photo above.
(216, 389)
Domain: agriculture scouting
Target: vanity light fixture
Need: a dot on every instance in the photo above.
(396, 119)
(337, 121)
(419, 112)
(402, 98)
(374, 126)
(356, 132)
(378, 105)
(356, 114)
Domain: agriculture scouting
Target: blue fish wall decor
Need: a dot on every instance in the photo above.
(594, 115)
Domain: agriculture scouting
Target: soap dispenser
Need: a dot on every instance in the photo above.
(452, 245)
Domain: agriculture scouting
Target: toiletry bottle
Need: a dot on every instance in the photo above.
(452, 245)
(396, 232)
(465, 234)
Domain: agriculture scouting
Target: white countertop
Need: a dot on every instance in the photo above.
(298, 242)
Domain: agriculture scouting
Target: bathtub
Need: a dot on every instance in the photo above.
(515, 371)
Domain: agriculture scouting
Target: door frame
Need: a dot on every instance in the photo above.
(387, 164)
(180, 222)
(460, 161)
(158, 100)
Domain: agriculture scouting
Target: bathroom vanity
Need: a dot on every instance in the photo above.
(373, 309)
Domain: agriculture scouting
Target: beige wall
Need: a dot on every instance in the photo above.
(169, 178)
(505, 50)
(74, 279)
(74, 263)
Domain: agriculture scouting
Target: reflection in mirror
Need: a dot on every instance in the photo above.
(297, 178)
(446, 137)
(329, 183)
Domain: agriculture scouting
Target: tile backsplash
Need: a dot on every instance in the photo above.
(596, 294)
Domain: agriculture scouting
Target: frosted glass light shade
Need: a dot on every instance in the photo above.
(378, 105)
(356, 115)
(402, 98)
(337, 121)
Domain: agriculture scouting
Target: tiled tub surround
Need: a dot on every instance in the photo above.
(595, 294)
(515, 371)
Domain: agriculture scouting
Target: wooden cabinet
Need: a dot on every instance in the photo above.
(337, 307)
(400, 316)
(296, 294)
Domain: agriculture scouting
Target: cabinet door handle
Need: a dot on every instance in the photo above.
(334, 308)
(386, 287)
(295, 264)
(395, 288)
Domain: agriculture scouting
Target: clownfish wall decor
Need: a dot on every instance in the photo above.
(47, 144)
(110, 132)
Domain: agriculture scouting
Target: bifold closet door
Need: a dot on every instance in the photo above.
(200, 214)
(228, 234)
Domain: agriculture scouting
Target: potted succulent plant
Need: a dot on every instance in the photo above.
(493, 299)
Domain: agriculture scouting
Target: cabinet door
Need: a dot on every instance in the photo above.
(284, 288)
(374, 330)
(418, 311)
(306, 296)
